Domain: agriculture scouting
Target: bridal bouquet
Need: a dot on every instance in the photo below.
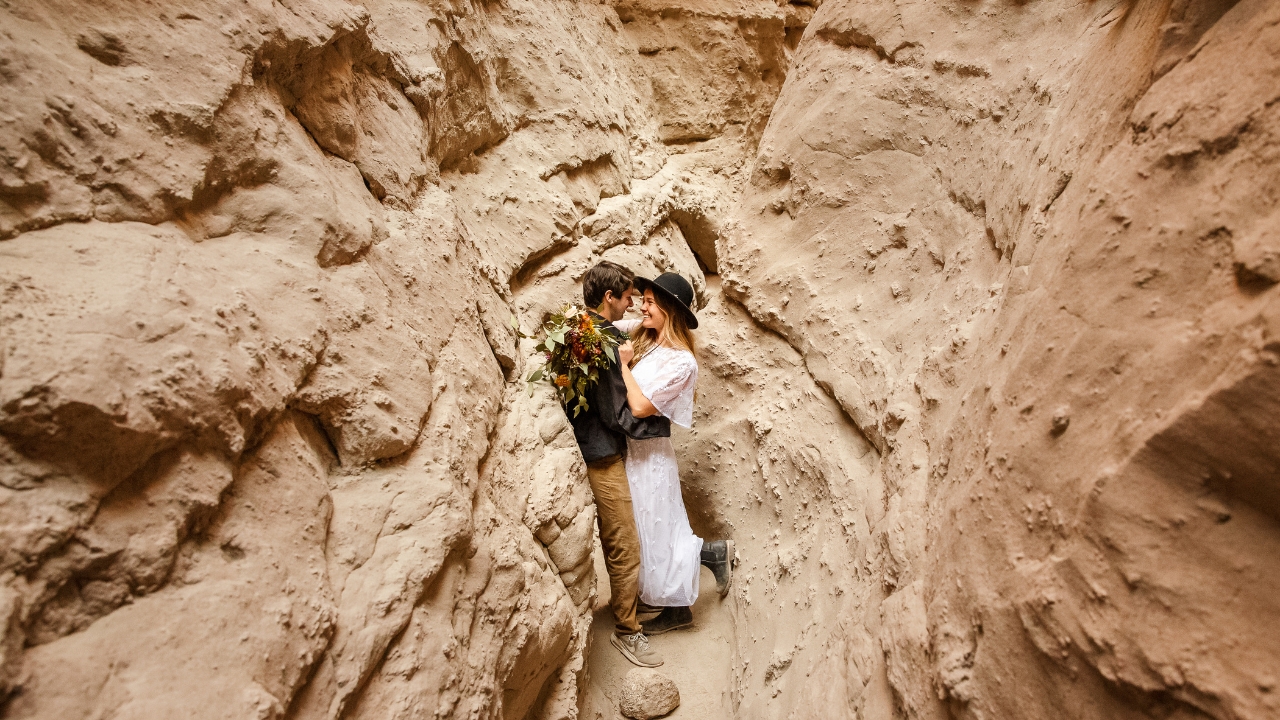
(575, 350)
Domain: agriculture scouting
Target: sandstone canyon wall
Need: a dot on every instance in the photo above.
(988, 395)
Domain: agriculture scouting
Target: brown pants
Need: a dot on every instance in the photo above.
(619, 538)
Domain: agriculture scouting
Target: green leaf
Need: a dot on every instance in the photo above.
(608, 350)
(515, 323)
(536, 375)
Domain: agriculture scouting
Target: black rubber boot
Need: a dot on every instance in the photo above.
(672, 618)
(718, 557)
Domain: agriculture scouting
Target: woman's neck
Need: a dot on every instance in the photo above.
(669, 342)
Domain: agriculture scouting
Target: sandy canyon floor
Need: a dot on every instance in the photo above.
(698, 659)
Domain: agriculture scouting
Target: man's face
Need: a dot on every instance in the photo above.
(618, 306)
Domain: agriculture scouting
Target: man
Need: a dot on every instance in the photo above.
(602, 431)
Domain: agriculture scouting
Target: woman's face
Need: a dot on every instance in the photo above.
(654, 318)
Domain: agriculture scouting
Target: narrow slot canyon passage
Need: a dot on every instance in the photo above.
(989, 333)
(699, 659)
(760, 483)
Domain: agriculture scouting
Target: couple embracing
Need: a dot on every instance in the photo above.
(652, 556)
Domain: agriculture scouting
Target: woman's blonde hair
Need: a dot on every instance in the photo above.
(676, 331)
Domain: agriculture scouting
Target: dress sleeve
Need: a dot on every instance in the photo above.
(627, 326)
(671, 391)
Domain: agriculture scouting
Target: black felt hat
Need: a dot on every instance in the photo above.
(675, 289)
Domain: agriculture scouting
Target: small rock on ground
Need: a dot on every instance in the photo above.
(647, 693)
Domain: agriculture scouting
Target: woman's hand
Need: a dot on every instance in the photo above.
(625, 353)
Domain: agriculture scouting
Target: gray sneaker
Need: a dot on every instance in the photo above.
(636, 649)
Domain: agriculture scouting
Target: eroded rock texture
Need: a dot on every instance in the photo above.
(989, 358)
(1025, 247)
(265, 449)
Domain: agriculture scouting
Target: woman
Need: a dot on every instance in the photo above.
(661, 372)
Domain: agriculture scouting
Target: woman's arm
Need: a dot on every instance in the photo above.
(627, 325)
(639, 404)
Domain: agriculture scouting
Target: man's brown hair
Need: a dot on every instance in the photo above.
(604, 277)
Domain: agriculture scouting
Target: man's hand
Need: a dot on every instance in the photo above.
(625, 353)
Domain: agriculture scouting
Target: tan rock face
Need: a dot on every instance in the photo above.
(988, 369)
(1017, 259)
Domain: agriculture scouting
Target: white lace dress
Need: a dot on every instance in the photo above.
(670, 554)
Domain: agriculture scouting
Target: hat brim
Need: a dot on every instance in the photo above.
(643, 284)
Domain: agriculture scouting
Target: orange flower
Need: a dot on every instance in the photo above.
(562, 381)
